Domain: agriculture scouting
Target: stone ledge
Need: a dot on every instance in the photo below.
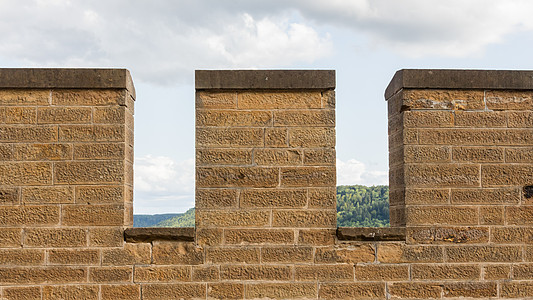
(371, 233)
(459, 79)
(66, 79)
(144, 235)
(264, 79)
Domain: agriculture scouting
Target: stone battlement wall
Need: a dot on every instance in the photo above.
(461, 166)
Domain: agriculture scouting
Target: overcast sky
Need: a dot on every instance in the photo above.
(163, 42)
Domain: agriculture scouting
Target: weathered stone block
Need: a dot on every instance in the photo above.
(304, 118)
(314, 137)
(223, 157)
(45, 195)
(93, 215)
(304, 218)
(308, 176)
(99, 151)
(88, 97)
(237, 177)
(268, 198)
(278, 157)
(237, 118)
(25, 173)
(166, 253)
(64, 115)
(279, 100)
(77, 172)
(229, 137)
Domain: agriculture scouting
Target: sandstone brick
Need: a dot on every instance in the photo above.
(508, 100)
(99, 194)
(322, 198)
(130, 254)
(93, 215)
(432, 154)
(29, 215)
(89, 172)
(491, 215)
(92, 133)
(64, 115)
(74, 256)
(338, 272)
(22, 293)
(421, 119)
(233, 255)
(110, 274)
(55, 237)
(273, 198)
(401, 253)
(10, 237)
(223, 157)
(520, 119)
(512, 235)
(308, 176)
(477, 154)
(278, 157)
(411, 290)
(486, 196)
(121, 292)
(89, 292)
(353, 254)
(36, 275)
(209, 236)
(279, 100)
(216, 198)
(328, 99)
(294, 254)
(225, 290)
(106, 237)
(25, 173)
(88, 97)
(110, 115)
(520, 289)
(445, 272)
(165, 253)
(210, 273)
(21, 257)
(31, 134)
(352, 291)
(318, 237)
(233, 118)
(427, 196)
(523, 271)
(6, 152)
(99, 151)
(229, 137)
(321, 117)
(304, 218)
(501, 175)
(18, 115)
(238, 218)
(236, 177)
(471, 289)
(475, 137)
(381, 272)
(281, 290)
(276, 137)
(446, 235)
(45, 195)
(397, 196)
(259, 236)
(442, 175)
(314, 137)
(496, 272)
(519, 215)
(519, 155)
(255, 272)
(319, 157)
(478, 119)
(24, 97)
(9, 196)
(30, 152)
(174, 291)
(205, 99)
(449, 215)
(443, 99)
(484, 253)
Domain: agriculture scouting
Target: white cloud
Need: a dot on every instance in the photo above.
(355, 172)
(426, 27)
(163, 185)
(161, 41)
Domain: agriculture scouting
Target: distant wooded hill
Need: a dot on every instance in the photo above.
(357, 206)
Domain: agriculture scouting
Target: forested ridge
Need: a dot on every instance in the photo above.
(357, 206)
